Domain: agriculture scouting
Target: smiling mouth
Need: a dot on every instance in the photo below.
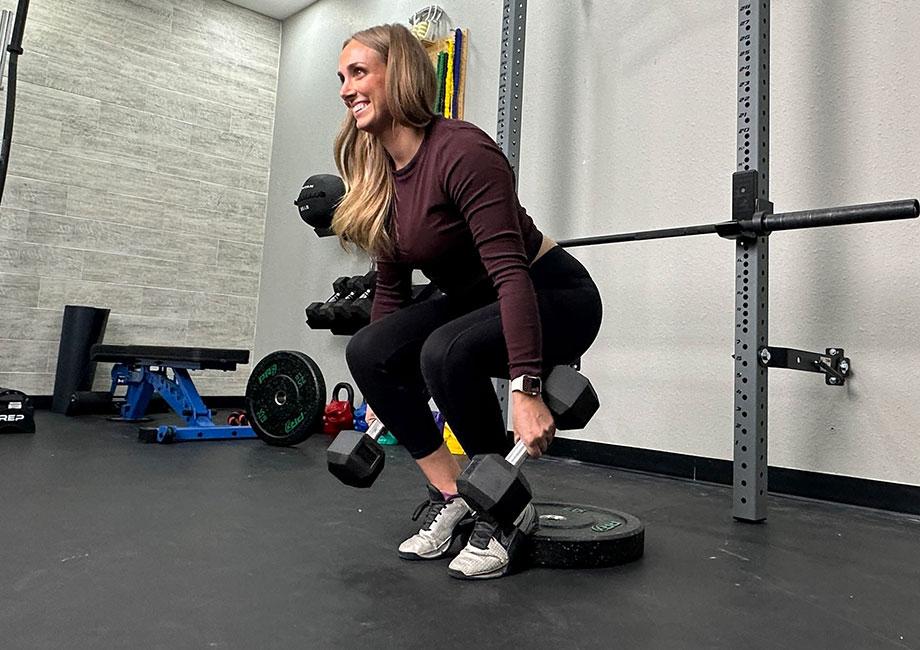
(359, 107)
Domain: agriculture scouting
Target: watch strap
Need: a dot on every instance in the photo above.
(527, 384)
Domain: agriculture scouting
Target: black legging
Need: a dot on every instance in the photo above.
(449, 348)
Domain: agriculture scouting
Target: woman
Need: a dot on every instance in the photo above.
(428, 193)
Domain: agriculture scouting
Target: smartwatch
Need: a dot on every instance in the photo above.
(527, 384)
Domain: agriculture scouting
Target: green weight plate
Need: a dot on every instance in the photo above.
(285, 397)
(580, 536)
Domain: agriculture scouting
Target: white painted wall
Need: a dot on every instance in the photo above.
(298, 267)
(629, 124)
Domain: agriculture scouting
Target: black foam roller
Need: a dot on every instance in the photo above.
(82, 328)
(85, 402)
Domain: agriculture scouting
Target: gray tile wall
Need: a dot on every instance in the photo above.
(137, 180)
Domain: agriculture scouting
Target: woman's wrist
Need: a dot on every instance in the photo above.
(520, 397)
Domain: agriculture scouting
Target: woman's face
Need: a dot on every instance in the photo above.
(363, 76)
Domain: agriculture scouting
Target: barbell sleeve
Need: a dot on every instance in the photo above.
(850, 214)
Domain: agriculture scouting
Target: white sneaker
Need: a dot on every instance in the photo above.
(445, 520)
(491, 549)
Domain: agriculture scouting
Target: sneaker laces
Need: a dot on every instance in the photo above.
(435, 508)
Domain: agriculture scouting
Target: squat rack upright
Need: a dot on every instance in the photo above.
(752, 222)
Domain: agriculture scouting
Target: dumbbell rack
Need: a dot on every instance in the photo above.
(752, 221)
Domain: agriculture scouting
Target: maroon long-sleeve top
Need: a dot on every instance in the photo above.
(457, 218)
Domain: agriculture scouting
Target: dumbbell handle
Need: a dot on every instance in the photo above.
(518, 454)
(376, 430)
(335, 297)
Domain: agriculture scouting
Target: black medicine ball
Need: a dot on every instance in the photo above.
(318, 198)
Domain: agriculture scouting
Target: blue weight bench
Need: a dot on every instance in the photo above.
(146, 369)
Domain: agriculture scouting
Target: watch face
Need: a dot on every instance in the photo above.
(532, 385)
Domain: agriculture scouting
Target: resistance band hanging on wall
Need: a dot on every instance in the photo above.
(441, 71)
(449, 81)
(448, 55)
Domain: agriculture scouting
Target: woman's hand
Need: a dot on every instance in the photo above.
(369, 416)
(533, 423)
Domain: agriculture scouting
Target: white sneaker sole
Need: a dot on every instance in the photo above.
(433, 554)
(526, 526)
(496, 573)
(461, 530)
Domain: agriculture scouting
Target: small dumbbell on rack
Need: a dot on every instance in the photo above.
(320, 314)
(354, 310)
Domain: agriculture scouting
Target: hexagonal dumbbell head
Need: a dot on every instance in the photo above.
(493, 485)
(355, 458)
(570, 397)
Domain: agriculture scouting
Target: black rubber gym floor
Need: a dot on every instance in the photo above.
(109, 543)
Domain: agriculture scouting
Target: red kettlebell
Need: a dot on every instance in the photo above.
(339, 414)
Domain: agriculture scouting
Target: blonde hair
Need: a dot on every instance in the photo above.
(362, 217)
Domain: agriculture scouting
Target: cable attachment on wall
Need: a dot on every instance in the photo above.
(426, 23)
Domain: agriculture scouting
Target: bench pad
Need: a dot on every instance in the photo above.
(155, 355)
